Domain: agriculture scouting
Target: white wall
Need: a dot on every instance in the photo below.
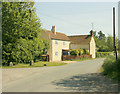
(58, 48)
(92, 47)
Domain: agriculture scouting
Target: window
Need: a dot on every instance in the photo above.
(63, 43)
(56, 53)
(56, 42)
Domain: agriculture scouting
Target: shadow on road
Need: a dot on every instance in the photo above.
(93, 82)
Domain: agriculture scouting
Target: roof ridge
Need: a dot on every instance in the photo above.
(78, 35)
(56, 32)
(58, 35)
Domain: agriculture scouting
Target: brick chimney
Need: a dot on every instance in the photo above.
(92, 33)
(53, 30)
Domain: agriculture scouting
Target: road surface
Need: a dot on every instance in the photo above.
(81, 76)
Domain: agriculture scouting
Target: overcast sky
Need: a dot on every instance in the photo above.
(73, 18)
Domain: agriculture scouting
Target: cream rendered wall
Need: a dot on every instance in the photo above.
(58, 48)
(92, 47)
(44, 36)
(78, 46)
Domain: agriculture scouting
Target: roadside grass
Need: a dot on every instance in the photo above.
(80, 59)
(36, 64)
(111, 68)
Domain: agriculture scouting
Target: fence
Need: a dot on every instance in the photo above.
(69, 57)
(45, 58)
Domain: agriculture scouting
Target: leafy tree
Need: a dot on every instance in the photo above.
(20, 30)
(109, 43)
(103, 43)
(101, 35)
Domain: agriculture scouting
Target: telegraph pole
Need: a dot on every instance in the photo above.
(114, 33)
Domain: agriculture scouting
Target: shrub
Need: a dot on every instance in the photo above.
(81, 51)
(111, 67)
(74, 52)
(85, 52)
(103, 54)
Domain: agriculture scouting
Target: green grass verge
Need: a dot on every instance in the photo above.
(80, 59)
(36, 64)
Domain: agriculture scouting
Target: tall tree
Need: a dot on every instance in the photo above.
(20, 26)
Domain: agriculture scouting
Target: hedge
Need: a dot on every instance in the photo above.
(79, 52)
(103, 54)
(111, 67)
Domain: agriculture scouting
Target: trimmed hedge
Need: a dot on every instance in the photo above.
(78, 52)
(103, 54)
(74, 52)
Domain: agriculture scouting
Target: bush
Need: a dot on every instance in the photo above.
(111, 67)
(81, 51)
(74, 52)
(86, 52)
(103, 54)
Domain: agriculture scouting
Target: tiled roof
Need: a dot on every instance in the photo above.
(59, 36)
(80, 39)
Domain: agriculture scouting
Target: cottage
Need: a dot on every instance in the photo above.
(59, 44)
(85, 42)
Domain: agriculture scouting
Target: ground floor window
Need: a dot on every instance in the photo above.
(56, 53)
(65, 53)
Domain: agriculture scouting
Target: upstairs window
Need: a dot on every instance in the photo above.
(56, 42)
(63, 43)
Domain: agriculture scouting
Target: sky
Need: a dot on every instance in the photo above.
(76, 18)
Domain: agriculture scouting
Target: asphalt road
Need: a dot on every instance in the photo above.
(81, 76)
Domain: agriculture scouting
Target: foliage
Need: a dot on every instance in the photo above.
(103, 54)
(20, 30)
(74, 52)
(103, 43)
(111, 67)
(101, 35)
(80, 51)
(80, 59)
(85, 52)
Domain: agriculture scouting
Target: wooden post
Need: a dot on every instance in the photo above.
(114, 32)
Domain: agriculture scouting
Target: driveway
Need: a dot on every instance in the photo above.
(81, 76)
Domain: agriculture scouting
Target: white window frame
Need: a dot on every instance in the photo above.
(64, 43)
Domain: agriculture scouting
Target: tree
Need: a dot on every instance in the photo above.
(101, 35)
(103, 43)
(21, 27)
(109, 43)
(100, 40)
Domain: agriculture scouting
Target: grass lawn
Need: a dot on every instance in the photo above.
(36, 64)
(81, 59)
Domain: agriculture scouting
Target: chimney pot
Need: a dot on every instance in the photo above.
(92, 33)
(53, 30)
